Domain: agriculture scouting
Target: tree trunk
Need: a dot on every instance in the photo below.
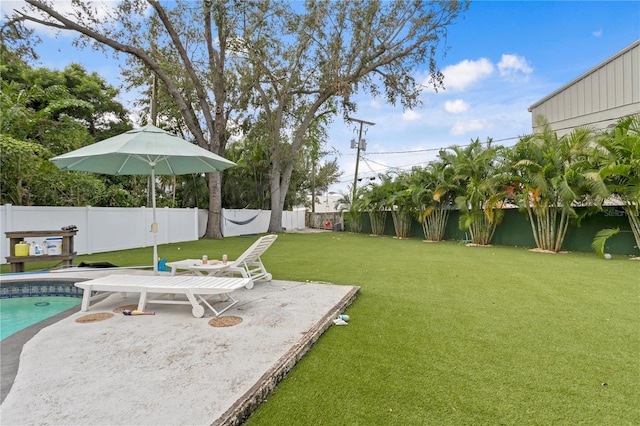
(280, 182)
(435, 224)
(275, 222)
(634, 221)
(214, 222)
(401, 222)
(277, 197)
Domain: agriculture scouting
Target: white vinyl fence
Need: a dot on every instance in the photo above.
(103, 229)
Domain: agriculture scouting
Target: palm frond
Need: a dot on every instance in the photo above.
(601, 238)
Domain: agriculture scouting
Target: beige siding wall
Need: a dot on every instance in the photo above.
(597, 98)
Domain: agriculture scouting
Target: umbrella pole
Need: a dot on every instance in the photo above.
(154, 225)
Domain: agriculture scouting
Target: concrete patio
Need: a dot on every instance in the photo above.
(169, 368)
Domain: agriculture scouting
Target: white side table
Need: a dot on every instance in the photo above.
(197, 267)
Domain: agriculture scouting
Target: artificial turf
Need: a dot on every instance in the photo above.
(448, 334)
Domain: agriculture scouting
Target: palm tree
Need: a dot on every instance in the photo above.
(351, 209)
(374, 202)
(617, 159)
(247, 184)
(400, 203)
(553, 178)
(192, 191)
(475, 172)
(433, 194)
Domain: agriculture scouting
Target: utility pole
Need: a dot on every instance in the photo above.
(360, 145)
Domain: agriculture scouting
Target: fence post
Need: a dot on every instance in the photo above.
(89, 237)
(166, 225)
(7, 218)
(196, 224)
(143, 212)
(223, 222)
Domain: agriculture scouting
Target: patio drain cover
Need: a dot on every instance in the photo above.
(227, 321)
(94, 317)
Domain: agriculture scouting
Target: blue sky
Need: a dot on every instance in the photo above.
(502, 57)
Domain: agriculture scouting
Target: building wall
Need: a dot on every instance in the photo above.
(598, 98)
(327, 203)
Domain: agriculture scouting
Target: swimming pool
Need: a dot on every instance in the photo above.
(21, 312)
(24, 303)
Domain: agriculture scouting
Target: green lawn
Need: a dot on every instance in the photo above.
(447, 334)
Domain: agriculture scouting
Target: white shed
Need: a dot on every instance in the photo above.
(597, 98)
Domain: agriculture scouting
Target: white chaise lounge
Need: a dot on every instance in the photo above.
(156, 289)
(248, 264)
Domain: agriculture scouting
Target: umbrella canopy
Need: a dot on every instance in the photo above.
(141, 152)
(145, 151)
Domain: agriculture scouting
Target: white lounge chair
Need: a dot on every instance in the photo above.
(155, 289)
(248, 264)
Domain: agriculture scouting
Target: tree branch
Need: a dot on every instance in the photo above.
(68, 24)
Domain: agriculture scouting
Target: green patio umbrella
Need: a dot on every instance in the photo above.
(145, 151)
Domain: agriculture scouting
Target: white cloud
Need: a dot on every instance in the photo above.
(598, 33)
(462, 127)
(102, 10)
(410, 115)
(375, 104)
(512, 66)
(467, 72)
(456, 106)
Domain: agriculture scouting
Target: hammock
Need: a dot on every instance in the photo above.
(240, 222)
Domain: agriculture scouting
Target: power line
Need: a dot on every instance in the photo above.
(438, 149)
(413, 151)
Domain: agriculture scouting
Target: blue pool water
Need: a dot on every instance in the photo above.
(21, 312)
(26, 302)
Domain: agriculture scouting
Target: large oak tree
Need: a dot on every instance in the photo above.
(291, 62)
(311, 63)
